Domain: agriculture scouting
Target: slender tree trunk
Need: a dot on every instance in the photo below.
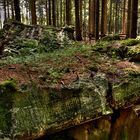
(81, 15)
(84, 23)
(91, 25)
(124, 18)
(128, 19)
(134, 17)
(64, 13)
(116, 17)
(8, 10)
(104, 18)
(50, 15)
(61, 15)
(54, 12)
(96, 20)
(4, 7)
(57, 11)
(110, 18)
(17, 10)
(46, 10)
(77, 21)
(12, 10)
(68, 12)
(33, 11)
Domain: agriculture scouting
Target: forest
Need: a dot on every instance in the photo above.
(69, 70)
(91, 18)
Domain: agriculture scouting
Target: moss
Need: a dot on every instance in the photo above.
(133, 51)
(102, 46)
(7, 89)
(8, 85)
(127, 91)
(110, 38)
(130, 42)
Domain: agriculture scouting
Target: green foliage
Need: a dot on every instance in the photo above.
(110, 38)
(25, 42)
(102, 46)
(8, 85)
(50, 40)
(134, 50)
(130, 42)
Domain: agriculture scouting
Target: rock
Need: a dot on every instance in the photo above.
(37, 111)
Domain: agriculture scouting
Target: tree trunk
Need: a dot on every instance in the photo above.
(12, 10)
(96, 20)
(46, 10)
(4, 7)
(54, 12)
(134, 17)
(91, 25)
(104, 18)
(110, 18)
(81, 15)
(116, 17)
(17, 10)
(77, 21)
(124, 18)
(49, 7)
(8, 10)
(33, 11)
(68, 12)
(128, 19)
(61, 15)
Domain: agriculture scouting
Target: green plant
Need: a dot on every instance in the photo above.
(8, 85)
(134, 50)
(110, 38)
(130, 42)
(102, 46)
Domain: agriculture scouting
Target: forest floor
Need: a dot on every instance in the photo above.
(31, 62)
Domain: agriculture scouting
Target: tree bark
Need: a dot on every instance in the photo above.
(49, 8)
(68, 12)
(104, 18)
(17, 10)
(110, 18)
(124, 18)
(96, 20)
(128, 19)
(33, 11)
(54, 12)
(77, 21)
(91, 25)
(134, 17)
(4, 7)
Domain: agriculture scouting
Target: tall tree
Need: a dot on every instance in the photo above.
(116, 23)
(134, 17)
(91, 25)
(49, 10)
(46, 10)
(97, 19)
(17, 10)
(77, 21)
(54, 12)
(33, 11)
(5, 11)
(124, 18)
(104, 18)
(68, 12)
(110, 18)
